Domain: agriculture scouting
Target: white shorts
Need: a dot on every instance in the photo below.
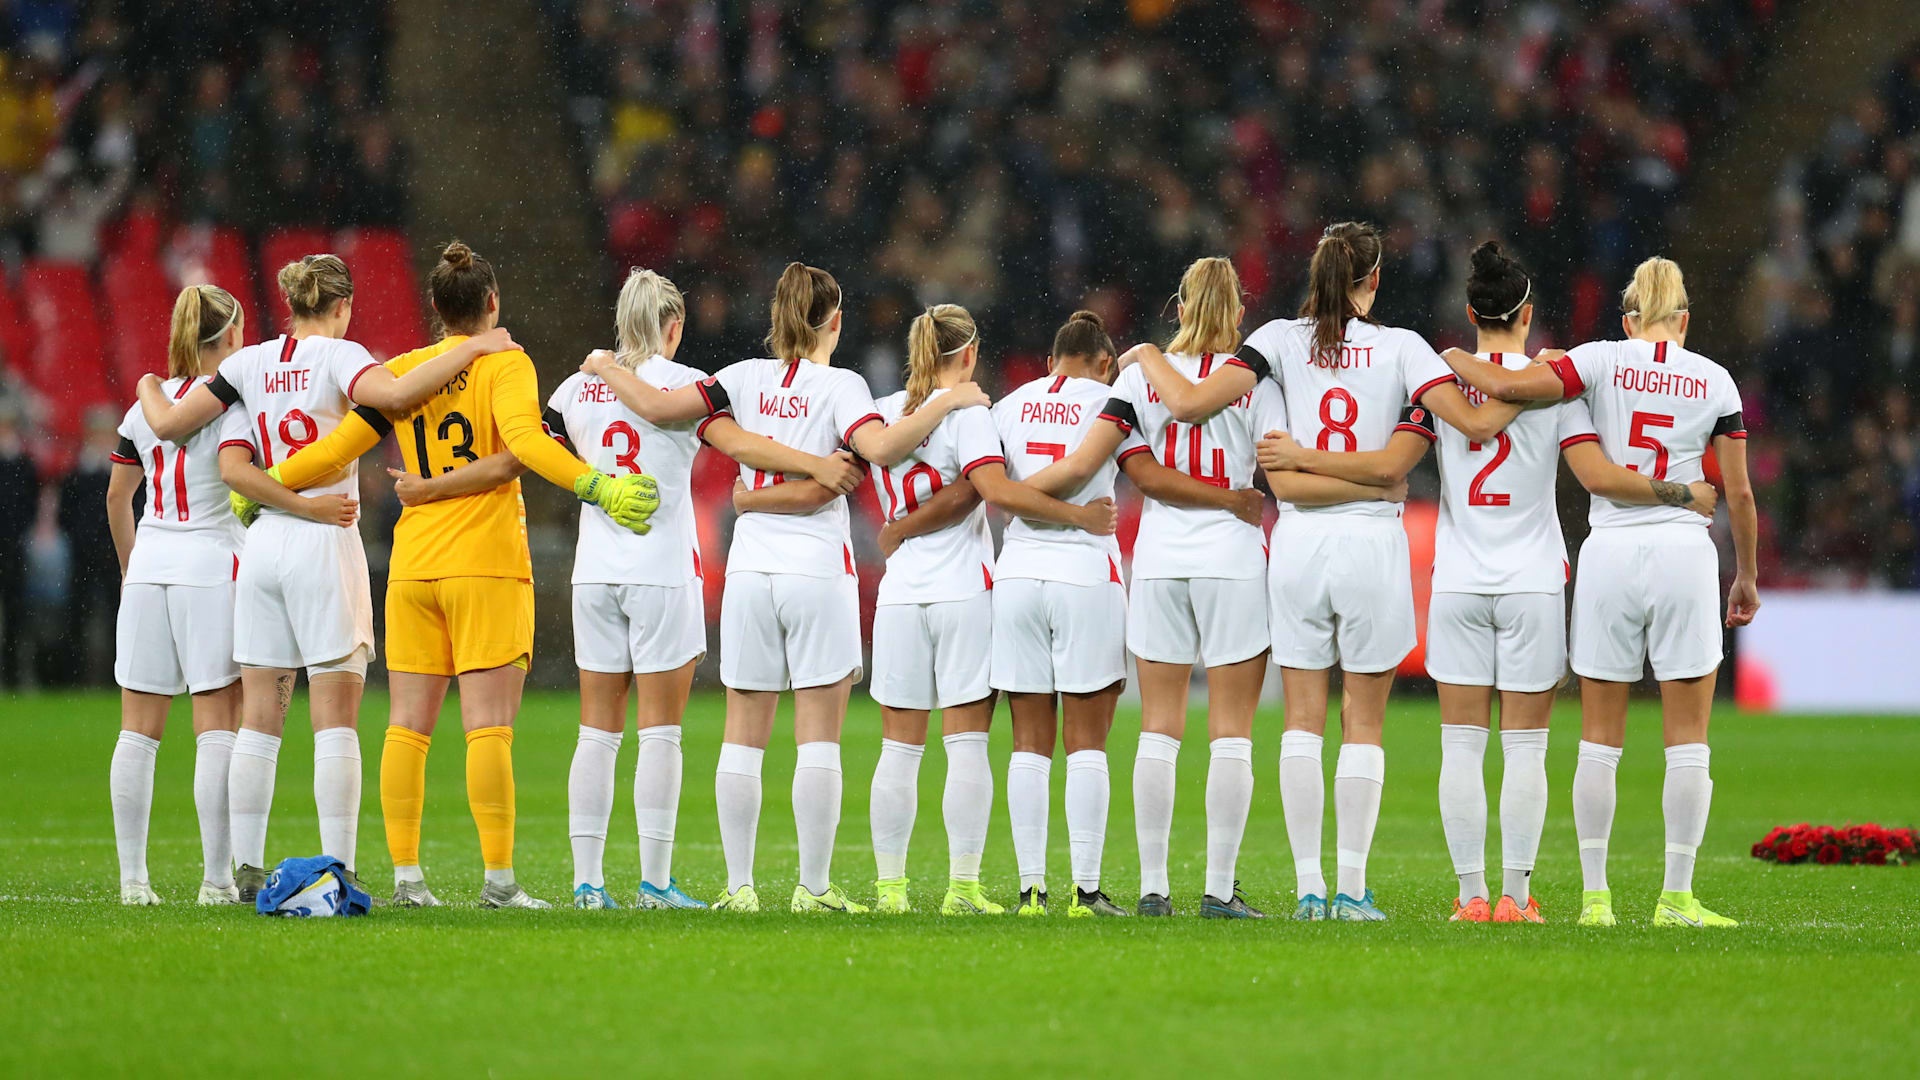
(789, 631)
(1210, 621)
(301, 597)
(175, 639)
(1647, 592)
(639, 628)
(1513, 641)
(1052, 637)
(932, 656)
(1340, 588)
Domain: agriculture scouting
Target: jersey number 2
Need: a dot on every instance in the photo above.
(1476, 493)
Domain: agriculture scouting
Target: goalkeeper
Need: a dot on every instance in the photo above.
(460, 585)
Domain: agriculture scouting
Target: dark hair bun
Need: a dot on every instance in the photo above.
(1488, 259)
(457, 255)
(1086, 316)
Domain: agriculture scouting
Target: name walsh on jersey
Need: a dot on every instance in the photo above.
(784, 406)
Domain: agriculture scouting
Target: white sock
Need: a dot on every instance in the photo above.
(212, 759)
(1357, 778)
(256, 756)
(1523, 809)
(1303, 796)
(501, 878)
(130, 783)
(1463, 805)
(891, 804)
(405, 874)
(1593, 798)
(1687, 797)
(1029, 797)
(736, 798)
(336, 791)
(656, 801)
(1229, 795)
(967, 803)
(590, 802)
(1155, 767)
(1088, 791)
(816, 811)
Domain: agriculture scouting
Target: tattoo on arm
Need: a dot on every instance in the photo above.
(1670, 493)
(283, 688)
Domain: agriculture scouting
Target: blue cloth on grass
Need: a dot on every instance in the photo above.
(316, 885)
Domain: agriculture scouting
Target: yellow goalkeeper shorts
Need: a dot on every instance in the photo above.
(453, 625)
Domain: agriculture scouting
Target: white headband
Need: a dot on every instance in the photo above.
(229, 325)
(1376, 265)
(964, 344)
(1524, 297)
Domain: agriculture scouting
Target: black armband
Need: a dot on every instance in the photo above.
(556, 426)
(1419, 420)
(375, 419)
(223, 390)
(714, 395)
(126, 453)
(1253, 360)
(1120, 411)
(1733, 425)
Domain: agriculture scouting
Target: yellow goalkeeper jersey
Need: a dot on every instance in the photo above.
(491, 406)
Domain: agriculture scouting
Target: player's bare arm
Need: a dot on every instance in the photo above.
(238, 472)
(1479, 423)
(889, 444)
(1535, 382)
(656, 406)
(1602, 477)
(1743, 598)
(837, 471)
(175, 421)
(388, 392)
(1190, 402)
(1172, 487)
(122, 483)
(1312, 489)
(1373, 468)
(948, 506)
(1025, 501)
(1066, 476)
(786, 497)
(484, 475)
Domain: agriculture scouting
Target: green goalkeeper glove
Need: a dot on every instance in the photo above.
(628, 500)
(244, 508)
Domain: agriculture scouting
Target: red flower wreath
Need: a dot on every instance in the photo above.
(1867, 844)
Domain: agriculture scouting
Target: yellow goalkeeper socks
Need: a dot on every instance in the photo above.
(403, 794)
(490, 793)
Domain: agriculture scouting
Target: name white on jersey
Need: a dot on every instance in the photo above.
(938, 566)
(1039, 424)
(1499, 531)
(294, 392)
(1179, 542)
(1656, 406)
(1349, 398)
(809, 407)
(594, 424)
(188, 536)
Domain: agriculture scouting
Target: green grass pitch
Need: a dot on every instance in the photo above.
(1822, 980)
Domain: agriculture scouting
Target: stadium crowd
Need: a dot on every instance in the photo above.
(1840, 282)
(121, 119)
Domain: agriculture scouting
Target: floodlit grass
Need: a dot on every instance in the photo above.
(1822, 979)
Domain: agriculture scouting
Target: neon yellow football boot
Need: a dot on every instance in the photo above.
(1681, 909)
(743, 900)
(968, 898)
(833, 900)
(1596, 907)
(892, 893)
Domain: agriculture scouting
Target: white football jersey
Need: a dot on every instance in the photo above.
(809, 407)
(589, 420)
(1499, 528)
(1039, 424)
(293, 392)
(1657, 406)
(938, 566)
(188, 536)
(1179, 542)
(1349, 399)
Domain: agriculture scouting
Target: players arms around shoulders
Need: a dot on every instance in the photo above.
(1326, 413)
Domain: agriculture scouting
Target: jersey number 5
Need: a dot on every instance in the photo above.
(1640, 438)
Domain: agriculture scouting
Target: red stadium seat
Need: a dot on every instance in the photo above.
(201, 254)
(139, 309)
(66, 363)
(16, 339)
(389, 314)
(278, 248)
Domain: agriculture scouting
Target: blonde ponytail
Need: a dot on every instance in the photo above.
(1657, 293)
(201, 315)
(648, 303)
(314, 284)
(804, 301)
(1209, 309)
(936, 339)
